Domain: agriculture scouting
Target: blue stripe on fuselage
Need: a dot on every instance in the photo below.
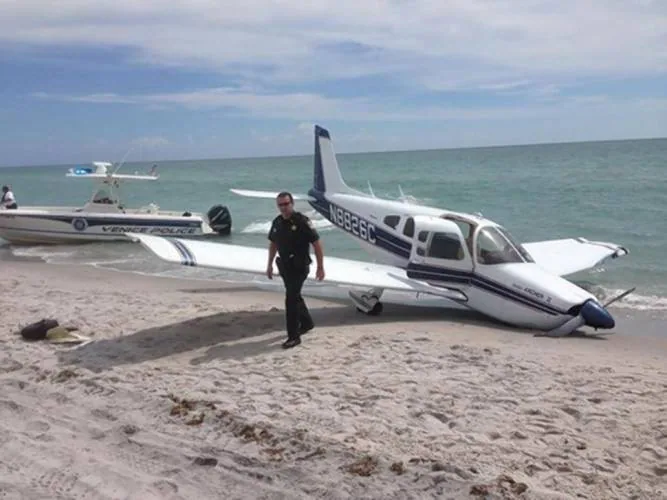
(433, 273)
(401, 248)
(360, 227)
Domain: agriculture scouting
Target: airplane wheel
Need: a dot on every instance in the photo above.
(377, 309)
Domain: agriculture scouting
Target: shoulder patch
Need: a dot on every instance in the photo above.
(305, 219)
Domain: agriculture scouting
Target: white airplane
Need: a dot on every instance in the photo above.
(461, 260)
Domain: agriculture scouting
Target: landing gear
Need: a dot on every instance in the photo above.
(375, 310)
(367, 302)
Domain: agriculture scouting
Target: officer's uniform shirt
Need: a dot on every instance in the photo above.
(292, 237)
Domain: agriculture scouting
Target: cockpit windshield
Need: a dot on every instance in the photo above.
(524, 253)
(495, 246)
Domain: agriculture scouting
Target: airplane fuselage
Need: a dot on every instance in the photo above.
(462, 259)
(512, 288)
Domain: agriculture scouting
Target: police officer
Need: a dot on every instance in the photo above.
(290, 236)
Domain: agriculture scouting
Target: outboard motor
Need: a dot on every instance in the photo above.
(220, 219)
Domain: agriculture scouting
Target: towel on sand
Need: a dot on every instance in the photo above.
(52, 331)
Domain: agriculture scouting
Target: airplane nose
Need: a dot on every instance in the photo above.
(596, 316)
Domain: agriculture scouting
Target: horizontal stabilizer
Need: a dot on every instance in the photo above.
(132, 177)
(249, 193)
(569, 256)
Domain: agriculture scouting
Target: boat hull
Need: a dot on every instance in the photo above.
(39, 227)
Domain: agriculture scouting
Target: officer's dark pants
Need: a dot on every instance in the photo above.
(297, 315)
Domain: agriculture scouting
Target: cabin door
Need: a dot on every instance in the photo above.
(439, 250)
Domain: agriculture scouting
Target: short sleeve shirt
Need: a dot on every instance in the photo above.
(8, 198)
(293, 236)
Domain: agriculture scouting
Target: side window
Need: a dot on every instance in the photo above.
(445, 246)
(392, 221)
(409, 229)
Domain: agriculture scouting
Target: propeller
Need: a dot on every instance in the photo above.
(406, 198)
(591, 313)
(620, 296)
(370, 189)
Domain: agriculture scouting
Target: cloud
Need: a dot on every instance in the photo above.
(465, 71)
(150, 142)
(432, 44)
(310, 108)
(299, 139)
(296, 106)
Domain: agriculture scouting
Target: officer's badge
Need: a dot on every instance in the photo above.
(293, 228)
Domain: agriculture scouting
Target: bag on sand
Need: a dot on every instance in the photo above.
(37, 331)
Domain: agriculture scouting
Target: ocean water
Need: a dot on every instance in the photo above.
(610, 191)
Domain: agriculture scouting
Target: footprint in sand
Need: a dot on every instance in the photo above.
(10, 405)
(97, 434)
(573, 412)
(518, 435)
(45, 438)
(37, 426)
(8, 365)
(656, 452)
(94, 388)
(102, 413)
(660, 470)
(165, 487)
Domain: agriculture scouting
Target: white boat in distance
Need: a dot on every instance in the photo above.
(104, 217)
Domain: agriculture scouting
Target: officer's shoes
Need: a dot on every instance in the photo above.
(289, 343)
(303, 329)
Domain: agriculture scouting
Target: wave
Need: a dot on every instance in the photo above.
(47, 254)
(635, 301)
(632, 301)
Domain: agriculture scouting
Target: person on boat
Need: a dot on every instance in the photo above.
(8, 200)
(290, 237)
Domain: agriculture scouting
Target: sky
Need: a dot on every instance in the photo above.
(108, 80)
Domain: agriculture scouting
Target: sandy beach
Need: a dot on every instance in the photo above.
(186, 393)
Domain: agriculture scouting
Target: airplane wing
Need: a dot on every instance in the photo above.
(568, 256)
(252, 260)
(249, 193)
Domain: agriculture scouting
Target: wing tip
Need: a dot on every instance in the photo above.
(135, 237)
(171, 250)
(617, 250)
(140, 237)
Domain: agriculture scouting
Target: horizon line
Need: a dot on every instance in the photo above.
(491, 146)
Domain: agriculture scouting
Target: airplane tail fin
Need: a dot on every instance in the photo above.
(326, 175)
